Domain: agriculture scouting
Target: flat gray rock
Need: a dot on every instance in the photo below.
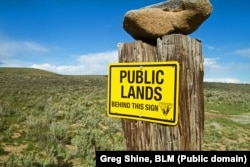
(173, 16)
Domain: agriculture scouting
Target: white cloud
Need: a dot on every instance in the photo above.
(93, 63)
(32, 46)
(243, 52)
(211, 63)
(210, 47)
(226, 73)
(10, 48)
(62, 69)
(224, 80)
(98, 58)
(13, 63)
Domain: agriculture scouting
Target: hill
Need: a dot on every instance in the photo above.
(26, 71)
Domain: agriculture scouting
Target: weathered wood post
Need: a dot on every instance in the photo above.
(149, 26)
(187, 135)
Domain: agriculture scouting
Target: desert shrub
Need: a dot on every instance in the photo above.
(3, 124)
(6, 109)
(12, 161)
(37, 128)
(221, 98)
(32, 160)
(2, 151)
(58, 133)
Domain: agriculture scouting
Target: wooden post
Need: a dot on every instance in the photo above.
(187, 134)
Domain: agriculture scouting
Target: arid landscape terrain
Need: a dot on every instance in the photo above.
(57, 120)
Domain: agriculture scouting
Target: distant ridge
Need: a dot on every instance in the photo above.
(26, 71)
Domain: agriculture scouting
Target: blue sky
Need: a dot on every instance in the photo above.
(80, 36)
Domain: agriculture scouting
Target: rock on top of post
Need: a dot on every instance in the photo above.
(172, 16)
(168, 5)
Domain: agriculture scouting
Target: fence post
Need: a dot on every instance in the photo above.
(187, 134)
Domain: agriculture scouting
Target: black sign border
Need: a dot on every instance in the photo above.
(134, 117)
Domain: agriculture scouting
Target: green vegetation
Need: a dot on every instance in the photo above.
(227, 116)
(53, 120)
(227, 98)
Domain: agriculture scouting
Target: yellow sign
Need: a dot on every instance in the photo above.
(144, 91)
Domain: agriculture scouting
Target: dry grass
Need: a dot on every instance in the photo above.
(54, 120)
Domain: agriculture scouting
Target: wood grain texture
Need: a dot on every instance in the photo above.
(187, 134)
